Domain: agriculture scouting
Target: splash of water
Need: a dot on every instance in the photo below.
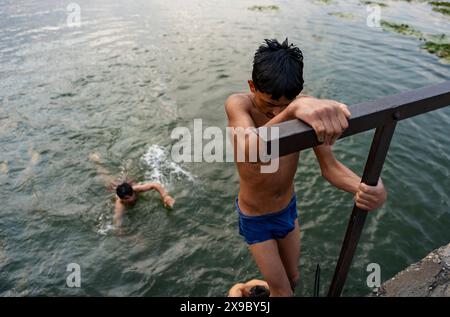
(161, 168)
(105, 225)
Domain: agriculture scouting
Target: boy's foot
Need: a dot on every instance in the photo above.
(95, 157)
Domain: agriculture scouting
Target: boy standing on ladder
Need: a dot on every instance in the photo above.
(266, 202)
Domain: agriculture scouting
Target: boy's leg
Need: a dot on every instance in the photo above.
(289, 248)
(269, 262)
(95, 157)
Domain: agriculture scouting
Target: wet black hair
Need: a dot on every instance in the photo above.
(259, 291)
(278, 69)
(124, 190)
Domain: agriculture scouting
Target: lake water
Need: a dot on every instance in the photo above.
(132, 72)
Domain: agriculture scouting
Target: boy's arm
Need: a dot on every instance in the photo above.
(366, 197)
(239, 117)
(119, 210)
(328, 118)
(167, 200)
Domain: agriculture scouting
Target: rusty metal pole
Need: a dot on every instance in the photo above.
(374, 164)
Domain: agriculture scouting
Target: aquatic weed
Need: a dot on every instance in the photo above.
(441, 7)
(264, 8)
(401, 28)
(343, 15)
(383, 5)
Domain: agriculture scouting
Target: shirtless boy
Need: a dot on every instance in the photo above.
(266, 203)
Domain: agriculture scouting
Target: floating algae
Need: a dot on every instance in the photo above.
(440, 50)
(441, 7)
(402, 28)
(438, 38)
(440, 4)
(343, 15)
(442, 10)
(264, 8)
(324, 1)
(383, 5)
(440, 47)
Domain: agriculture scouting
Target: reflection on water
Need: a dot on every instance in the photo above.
(130, 74)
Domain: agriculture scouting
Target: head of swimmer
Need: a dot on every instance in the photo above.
(125, 192)
(277, 76)
(259, 291)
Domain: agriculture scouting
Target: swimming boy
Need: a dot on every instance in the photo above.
(253, 288)
(127, 195)
(127, 192)
(266, 202)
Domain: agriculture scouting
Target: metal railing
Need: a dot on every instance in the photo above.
(382, 115)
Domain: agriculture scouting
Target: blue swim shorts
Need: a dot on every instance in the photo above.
(274, 225)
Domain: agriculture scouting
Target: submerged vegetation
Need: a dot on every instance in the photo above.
(440, 4)
(324, 1)
(442, 10)
(441, 7)
(401, 28)
(383, 5)
(438, 45)
(438, 49)
(343, 15)
(264, 8)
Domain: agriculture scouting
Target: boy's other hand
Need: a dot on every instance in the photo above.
(328, 118)
(168, 201)
(370, 197)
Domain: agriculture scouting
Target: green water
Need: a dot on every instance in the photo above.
(134, 71)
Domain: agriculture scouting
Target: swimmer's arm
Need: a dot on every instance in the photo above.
(236, 290)
(340, 176)
(166, 198)
(119, 210)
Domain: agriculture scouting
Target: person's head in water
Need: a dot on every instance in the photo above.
(259, 291)
(277, 76)
(125, 192)
(252, 288)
